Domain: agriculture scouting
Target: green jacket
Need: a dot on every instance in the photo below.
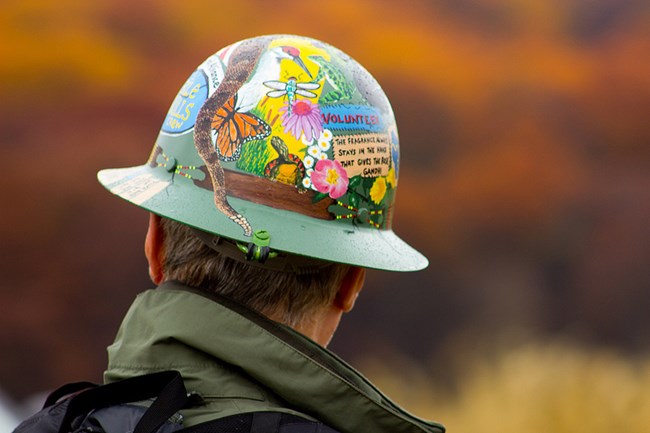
(240, 361)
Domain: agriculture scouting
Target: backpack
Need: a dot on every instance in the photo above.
(83, 407)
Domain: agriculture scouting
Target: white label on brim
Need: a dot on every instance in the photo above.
(140, 188)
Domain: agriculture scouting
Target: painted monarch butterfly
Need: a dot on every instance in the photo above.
(233, 129)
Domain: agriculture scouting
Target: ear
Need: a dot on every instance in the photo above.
(153, 249)
(350, 287)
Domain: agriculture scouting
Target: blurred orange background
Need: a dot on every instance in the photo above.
(524, 171)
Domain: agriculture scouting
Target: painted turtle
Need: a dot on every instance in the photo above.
(287, 167)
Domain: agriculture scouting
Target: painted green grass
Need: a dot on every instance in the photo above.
(253, 157)
(256, 153)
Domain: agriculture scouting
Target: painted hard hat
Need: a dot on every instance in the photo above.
(283, 142)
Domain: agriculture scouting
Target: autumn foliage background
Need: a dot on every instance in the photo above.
(524, 178)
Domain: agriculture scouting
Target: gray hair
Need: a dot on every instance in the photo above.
(287, 297)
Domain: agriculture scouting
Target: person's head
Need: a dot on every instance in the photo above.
(302, 300)
(286, 150)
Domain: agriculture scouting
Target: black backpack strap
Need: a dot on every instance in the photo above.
(170, 400)
(167, 387)
(265, 422)
(260, 422)
(65, 390)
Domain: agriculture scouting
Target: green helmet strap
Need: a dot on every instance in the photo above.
(258, 249)
(259, 254)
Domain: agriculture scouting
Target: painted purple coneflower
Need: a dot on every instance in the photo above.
(303, 118)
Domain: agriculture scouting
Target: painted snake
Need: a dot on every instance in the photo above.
(242, 63)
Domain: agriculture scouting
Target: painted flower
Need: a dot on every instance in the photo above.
(378, 190)
(308, 178)
(330, 177)
(304, 118)
(314, 152)
(306, 182)
(305, 141)
(308, 161)
(324, 145)
(326, 135)
(390, 178)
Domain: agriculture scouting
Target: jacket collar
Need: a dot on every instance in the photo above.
(214, 329)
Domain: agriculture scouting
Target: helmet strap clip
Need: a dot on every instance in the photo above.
(258, 248)
(257, 252)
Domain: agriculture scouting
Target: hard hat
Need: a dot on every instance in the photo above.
(282, 142)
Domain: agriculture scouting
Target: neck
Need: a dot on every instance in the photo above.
(320, 326)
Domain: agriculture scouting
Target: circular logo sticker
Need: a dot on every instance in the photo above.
(182, 114)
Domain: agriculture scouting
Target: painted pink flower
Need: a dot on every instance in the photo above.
(304, 118)
(330, 177)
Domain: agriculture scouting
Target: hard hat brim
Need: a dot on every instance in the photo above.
(158, 191)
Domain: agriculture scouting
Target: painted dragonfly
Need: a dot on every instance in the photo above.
(290, 88)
